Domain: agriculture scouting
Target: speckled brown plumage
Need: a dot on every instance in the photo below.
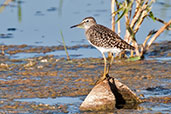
(102, 36)
(104, 39)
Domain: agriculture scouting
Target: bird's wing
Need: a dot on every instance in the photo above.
(102, 36)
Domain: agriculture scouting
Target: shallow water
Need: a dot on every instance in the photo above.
(161, 59)
(78, 53)
(53, 101)
(73, 103)
(40, 22)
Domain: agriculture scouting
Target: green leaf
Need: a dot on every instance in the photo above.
(169, 26)
(116, 12)
(125, 9)
(151, 15)
(131, 32)
(134, 58)
(65, 46)
(123, 13)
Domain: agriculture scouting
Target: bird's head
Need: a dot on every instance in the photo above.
(86, 23)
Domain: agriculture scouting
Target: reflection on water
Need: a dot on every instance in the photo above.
(8, 35)
(2, 6)
(60, 7)
(7, 2)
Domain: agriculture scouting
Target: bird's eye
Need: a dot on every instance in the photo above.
(87, 21)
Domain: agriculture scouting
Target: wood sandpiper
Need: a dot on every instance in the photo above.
(104, 39)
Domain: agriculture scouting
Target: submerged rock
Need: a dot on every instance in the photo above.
(108, 95)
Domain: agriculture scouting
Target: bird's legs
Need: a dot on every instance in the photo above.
(110, 64)
(105, 63)
(105, 73)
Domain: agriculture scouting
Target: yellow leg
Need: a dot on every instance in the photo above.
(105, 63)
(103, 77)
(111, 61)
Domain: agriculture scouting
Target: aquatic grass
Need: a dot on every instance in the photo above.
(60, 7)
(19, 12)
(68, 58)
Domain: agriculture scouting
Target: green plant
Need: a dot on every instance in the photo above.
(68, 58)
(133, 21)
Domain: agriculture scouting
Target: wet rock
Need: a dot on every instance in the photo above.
(108, 95)
(100, 98)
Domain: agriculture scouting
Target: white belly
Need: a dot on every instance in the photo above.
(104, 50)
(112, 50)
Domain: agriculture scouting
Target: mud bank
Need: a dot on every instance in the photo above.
(25, 83)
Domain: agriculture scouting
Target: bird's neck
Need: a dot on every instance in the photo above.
(86, 27)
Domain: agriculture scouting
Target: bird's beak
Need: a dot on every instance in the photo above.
(78, 25)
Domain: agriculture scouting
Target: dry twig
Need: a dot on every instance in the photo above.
(157, 34)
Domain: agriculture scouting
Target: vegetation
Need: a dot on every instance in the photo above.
(68, 58)
(135, 12)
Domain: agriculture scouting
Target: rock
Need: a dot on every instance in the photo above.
(100, 98)
(108, 95)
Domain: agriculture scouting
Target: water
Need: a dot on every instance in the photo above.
(160, 59)
(37, 22)
(53, 101)
(156, 92)
(41, 22)
(78, 53)
(72, 102)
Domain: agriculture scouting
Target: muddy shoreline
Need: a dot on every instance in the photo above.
(51, 77)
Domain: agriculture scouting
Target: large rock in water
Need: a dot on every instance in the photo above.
(109, 94)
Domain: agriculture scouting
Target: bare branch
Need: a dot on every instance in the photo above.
(119, 26)
(113, 15)
(137, 26)
(137, 15)
(156, 35)
(113, 23)
(161, 21)
(148, 37)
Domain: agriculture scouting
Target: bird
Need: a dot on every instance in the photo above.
(103, 39)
